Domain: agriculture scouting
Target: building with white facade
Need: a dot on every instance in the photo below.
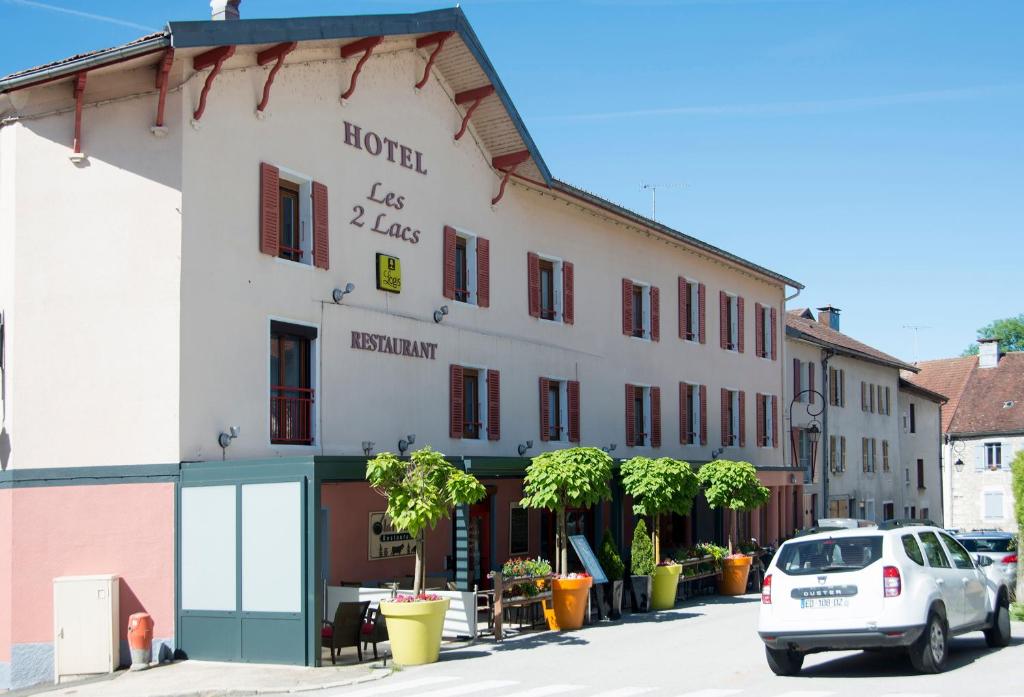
(851, 394)
(983, 430)
(239, 257)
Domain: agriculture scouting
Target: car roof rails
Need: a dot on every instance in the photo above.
(816, 529)
(905, 523)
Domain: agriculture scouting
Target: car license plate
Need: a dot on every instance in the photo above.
(824, 602)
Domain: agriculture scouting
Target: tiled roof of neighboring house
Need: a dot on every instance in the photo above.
(946, 376)
(993, 401)
(78, 57)
(801, 325)
(908, 385)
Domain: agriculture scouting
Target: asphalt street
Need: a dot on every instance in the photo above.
(703, 648)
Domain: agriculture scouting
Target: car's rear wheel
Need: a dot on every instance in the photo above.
(784, 661)
(998, 635)
(928, 654)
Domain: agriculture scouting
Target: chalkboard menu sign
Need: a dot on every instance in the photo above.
(519, 530)
(587, 557)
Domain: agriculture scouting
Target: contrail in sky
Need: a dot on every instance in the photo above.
(79, 13)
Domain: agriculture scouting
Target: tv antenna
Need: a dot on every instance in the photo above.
(653, 188)
(915, 328)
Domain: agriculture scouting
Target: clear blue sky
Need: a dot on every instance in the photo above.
(871, 149)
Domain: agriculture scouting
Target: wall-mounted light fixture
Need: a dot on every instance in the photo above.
(523, 447)
(338, 294)
(959, 465)
(404, 443)
(440, 313)
(368, 447)
(610, 447)
(715, 453)
(225, 438)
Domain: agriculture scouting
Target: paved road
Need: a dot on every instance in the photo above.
(701, 649)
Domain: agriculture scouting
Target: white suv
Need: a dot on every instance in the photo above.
(911, 587)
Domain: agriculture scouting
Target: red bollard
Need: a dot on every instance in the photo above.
(140, 639)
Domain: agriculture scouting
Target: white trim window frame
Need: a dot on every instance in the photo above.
(645, 309)
(305, 232)
(481, 396)
(557, 291)
(766, 332)
(693, 413)
(693, 310)
(734, 420)
(563, 409)
(733, 309)
(471, 267)
(994, 455)
(314, 381)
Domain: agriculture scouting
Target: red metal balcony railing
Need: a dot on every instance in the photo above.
(291, 412)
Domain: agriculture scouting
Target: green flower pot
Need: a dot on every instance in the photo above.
(666, 580)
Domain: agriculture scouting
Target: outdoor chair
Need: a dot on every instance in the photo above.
(374, 629)
(346, 629)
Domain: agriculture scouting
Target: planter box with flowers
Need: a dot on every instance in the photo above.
(521, 582)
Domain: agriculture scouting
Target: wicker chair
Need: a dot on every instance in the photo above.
(346, 629)
(374, 629)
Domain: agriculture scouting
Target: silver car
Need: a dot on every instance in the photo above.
(1000, 547)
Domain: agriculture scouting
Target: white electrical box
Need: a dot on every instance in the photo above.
(85, 625)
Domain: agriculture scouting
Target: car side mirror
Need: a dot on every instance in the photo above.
(982, 560)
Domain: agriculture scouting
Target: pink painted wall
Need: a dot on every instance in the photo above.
(124, 529)
(350, 505)
(5, 573)
(506, 491)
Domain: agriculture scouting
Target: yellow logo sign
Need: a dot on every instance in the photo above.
(389, 273)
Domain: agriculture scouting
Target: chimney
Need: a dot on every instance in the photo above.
(224, 9)
(988, 353)
(829, 315)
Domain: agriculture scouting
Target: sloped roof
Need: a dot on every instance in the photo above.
(907, 385)
(946, 376)
(801, 325)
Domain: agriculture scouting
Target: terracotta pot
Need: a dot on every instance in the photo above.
(735, 570)
(569, 599)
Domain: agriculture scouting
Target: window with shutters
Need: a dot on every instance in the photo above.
(639, 312)
(643, 416)
(461, 269)
(691, 311)
(472, 420)
(766, 329)
(292, 366)
(555, 406)
(731, 419)
(691, 424)
(885, 456)
(550, 283)
(837, 387)
(294, 204)
(765, 421)
(731, 322)
(992, 504)
(548, 309)
(466, 267)
(474, 403)
(993, 455)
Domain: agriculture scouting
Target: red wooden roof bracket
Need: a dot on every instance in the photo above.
(437, 40)
(214, 57)
(277, 53)
(475, 96)
(163, 70)
(364, 46)
(79, 93)
(507, 164)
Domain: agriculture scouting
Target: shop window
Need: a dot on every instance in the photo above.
(291, 383)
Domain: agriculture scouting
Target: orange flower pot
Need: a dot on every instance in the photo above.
(735, 570)
(569, 598)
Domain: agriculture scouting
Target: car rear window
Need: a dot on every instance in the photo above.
(987, 544)
(834, 555)
(913, 549)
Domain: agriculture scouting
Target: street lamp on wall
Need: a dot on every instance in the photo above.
(959, 465)
(813, 431)
(404, 443)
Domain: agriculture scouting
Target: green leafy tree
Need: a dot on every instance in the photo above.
(608, 556)
(1017, 467)
(659, 486)
(420, 491)
(642, 551)
(732, 485)
(1009, 331)
(559, 479)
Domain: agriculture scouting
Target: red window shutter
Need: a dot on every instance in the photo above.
(796, 379)
(760, 420)
(630, 416)
(655, 314)
(723, 319)
(758, 330)
(703, 414)
(739, 324)
(656, 417)
(794, 445)
(493, 405)
(810, 381)
(533, 283)
(449, 262)
(775, 421)
(545, 423)
(455, 412)
(568, 299)
(627, 307)
(684, 407)
(725, 417)
(775, 332)
(572, 390)
(270, 209)
(743, 418)
(700, 312)
(483, 272)
(321, 229)
(682, 307)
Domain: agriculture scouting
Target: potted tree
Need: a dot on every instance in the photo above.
(733, 485)
(642, 565)
(660, 486)
(420, 491)
(611, 562)
(555, 481)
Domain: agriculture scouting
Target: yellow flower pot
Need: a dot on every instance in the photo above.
(666, 580)
(735, 570)
(414, 630)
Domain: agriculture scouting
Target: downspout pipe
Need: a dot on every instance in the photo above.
(826, 355)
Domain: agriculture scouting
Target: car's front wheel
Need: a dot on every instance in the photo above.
(784, 661)
(928, 654)
(998, 634)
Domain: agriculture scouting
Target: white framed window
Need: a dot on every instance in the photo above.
(641, 310)
(474, 402)
(766, 425)
(465, 267)
(692, 435)
(641, 415)
(552, 288)
(293, 382)
(692, 330)
(296, 224)
(993, 455)
(992, 504)
(766, 332)
(557, 403)
(733, 437)
(732, 322)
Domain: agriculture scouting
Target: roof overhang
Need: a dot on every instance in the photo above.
(792, 333)
(908, 386)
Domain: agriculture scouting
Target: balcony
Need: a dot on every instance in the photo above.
(291, 411)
